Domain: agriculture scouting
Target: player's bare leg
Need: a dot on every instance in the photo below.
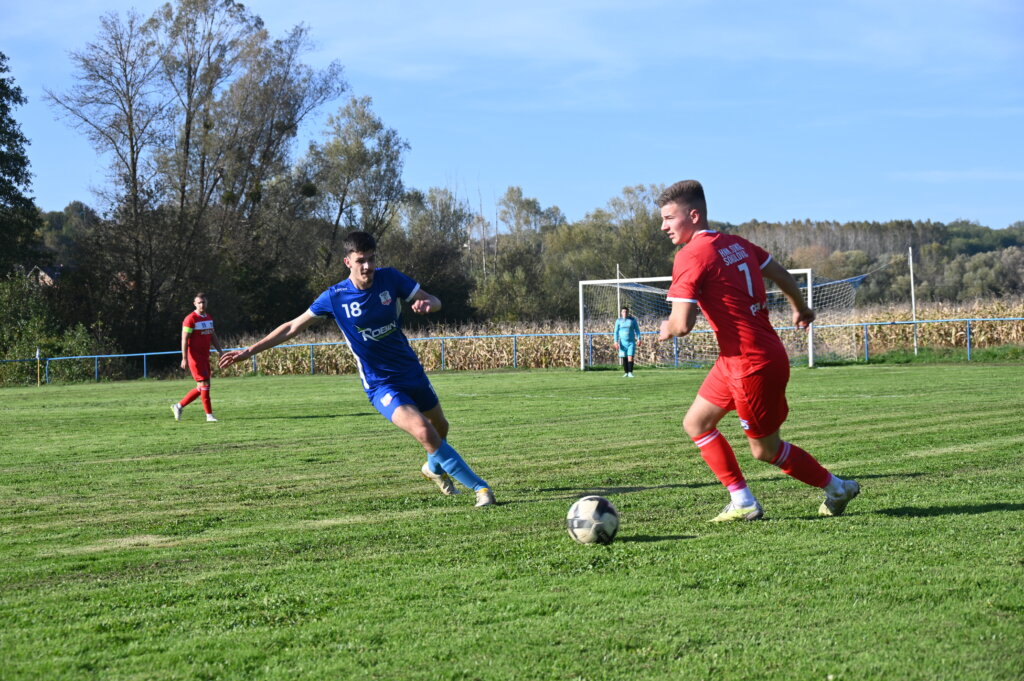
(449, 460)
(443, 462)
(424, 430)
(701, 424)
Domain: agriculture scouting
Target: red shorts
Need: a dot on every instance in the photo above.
(759, 398)
(200, 367)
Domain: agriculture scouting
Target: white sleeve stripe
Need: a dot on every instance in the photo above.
(765, 263)
(414, 292)
(682, 300)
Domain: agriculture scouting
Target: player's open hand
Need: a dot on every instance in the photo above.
(229, 358)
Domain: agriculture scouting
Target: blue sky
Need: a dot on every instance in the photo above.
(844, 109)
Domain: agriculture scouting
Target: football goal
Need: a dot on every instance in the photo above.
(601, 299)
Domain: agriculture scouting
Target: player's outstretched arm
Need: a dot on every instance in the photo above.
(424, 303)
(275, 337)
(680, 321)
(802, 315)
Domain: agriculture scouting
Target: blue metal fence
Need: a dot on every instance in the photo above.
(865, 326)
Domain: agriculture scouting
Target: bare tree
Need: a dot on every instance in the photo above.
(117, 103)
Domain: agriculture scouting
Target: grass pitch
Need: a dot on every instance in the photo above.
(295, 539)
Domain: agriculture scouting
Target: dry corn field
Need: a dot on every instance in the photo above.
(556, 344)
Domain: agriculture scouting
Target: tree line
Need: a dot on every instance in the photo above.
(198, 109)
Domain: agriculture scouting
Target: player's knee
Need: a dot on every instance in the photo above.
(427, 435)
(695, 426)
(765, 449)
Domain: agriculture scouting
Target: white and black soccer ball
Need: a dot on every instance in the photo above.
(592, 520)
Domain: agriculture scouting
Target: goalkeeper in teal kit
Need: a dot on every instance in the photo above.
(367, 309)
(627, 337)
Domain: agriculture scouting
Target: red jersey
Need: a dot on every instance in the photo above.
(200, 330)
(722, 274)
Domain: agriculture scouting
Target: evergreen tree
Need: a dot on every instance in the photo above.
(19, 217)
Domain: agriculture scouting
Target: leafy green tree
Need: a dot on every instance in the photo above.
(430, 244)
(524, 216)
(640, 248)
(515, 287)
(19, 218)
(574, 252)
(357, 176)
(65, 231)
(33, 321)
(196, 108)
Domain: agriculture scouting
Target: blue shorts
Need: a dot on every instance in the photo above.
(388, 396)
(627, 349)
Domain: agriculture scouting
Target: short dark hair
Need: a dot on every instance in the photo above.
(359, 242)
(687, 192)
(199, 295)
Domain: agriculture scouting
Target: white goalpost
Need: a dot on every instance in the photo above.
(601, 299)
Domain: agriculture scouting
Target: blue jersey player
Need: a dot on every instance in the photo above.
(367, 308)
(627, 337)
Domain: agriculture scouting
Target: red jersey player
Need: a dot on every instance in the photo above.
(196, 336)
(722, 274)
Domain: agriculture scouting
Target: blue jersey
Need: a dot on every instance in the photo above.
(626, 330)
(370, 322)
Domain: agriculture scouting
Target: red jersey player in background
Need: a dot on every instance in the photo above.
(196, 336)
(722, 274)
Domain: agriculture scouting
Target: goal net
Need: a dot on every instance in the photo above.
(601, 299)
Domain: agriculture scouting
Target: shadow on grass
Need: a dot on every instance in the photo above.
(646, 538)
(573, 493)
(322, 416)
(602, 491)
(925, 512)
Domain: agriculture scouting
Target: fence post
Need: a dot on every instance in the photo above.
(254, 364)
(515, 351)
(96, 368)
(145, 373)
(867, 353)
(675, 350)
(47, 372)
(312, 368)
(442, 354)
(968, 340)
(590, 359)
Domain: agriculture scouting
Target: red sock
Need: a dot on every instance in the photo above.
(188, 399)
(205, 394)
(719, 456)
(798, 464)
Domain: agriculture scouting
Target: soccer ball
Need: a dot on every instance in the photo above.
(592, 520)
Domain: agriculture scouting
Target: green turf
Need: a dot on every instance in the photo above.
(295, 539)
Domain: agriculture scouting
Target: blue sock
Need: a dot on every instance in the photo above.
(453, 464)
(434, 465)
